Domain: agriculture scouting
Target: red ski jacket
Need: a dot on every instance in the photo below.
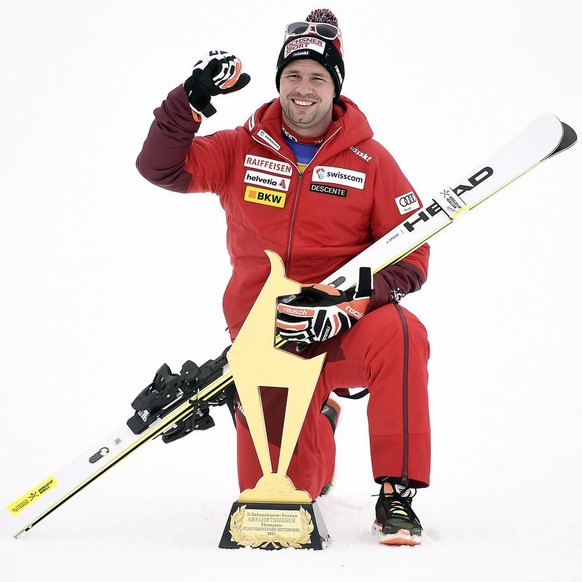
(351, 194)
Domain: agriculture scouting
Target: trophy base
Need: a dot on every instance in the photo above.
(273, 526)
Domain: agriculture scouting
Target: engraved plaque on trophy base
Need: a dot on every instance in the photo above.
(272, 526)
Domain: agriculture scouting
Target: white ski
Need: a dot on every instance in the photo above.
(541, 139)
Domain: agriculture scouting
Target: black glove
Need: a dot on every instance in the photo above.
(217, 73)
(320, 312)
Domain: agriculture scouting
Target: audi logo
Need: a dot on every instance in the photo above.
(407, 200)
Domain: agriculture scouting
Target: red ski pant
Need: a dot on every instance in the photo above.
(386, 352)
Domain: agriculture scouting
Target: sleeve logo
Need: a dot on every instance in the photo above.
(407, 202)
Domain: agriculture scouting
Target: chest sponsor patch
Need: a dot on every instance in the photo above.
(339, 176)
(270, 140)
(260, 163)
(266, 197)
(407, 202)
(325, 189)
(261, 179)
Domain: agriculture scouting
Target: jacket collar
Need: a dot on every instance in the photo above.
(348, 128)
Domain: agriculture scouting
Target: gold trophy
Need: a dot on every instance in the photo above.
(273, 514)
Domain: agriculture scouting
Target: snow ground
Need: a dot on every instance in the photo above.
(104, 277)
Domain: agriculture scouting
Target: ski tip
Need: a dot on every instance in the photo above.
(569, 138)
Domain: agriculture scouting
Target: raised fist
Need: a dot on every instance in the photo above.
(217, 73)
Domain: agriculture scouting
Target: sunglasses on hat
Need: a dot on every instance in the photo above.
(322, 29)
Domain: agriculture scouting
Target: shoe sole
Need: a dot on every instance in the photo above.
(402, 538)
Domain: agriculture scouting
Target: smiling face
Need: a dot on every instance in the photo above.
(306, 94)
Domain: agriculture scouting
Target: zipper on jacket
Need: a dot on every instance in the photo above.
(296, 201)
(280, 155)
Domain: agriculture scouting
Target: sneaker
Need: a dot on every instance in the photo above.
(331, 410)
(396, 524)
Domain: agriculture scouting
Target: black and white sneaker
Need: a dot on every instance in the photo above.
(396, 524)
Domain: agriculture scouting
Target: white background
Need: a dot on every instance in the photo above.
(104, 277)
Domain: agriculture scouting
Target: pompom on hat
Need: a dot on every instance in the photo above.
(307, 40)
